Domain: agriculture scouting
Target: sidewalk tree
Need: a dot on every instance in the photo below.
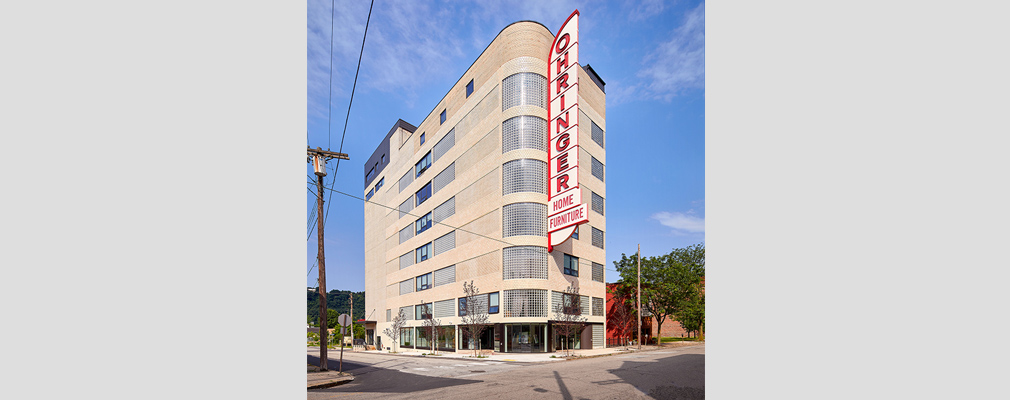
(568, 317)
(393, 332)
(671, 283)
(431, 325)
(474, 316)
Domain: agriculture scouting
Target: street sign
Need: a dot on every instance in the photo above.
(344, 320)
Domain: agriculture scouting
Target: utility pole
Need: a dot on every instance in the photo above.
(638, 296)
(351, 313)
(318, 159)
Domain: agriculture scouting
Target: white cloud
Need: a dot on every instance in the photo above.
(679, 63)
(681, 222)
(645, 9)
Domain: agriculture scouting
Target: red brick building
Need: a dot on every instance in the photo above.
(621, 325)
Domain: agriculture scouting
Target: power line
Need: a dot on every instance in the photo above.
(417, 216)
(333, 184)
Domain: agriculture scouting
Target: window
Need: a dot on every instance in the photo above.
(423, 194)
(469, 88)
(422, 224)
(575, 234)
(422, 137)
(492, 303)
(423, 253)
(422, 311)
(462, 306)
(422, 165)
(379, 185)
(441, 118)
(423, 282)
(369, 194)
(370, 174)
(383, 159)
(571, 265)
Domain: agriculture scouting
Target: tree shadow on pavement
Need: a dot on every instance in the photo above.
(369, 378)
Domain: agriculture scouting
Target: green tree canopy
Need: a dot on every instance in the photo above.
(671, 283)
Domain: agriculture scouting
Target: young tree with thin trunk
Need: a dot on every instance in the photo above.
(432, 325)
(568, 317)
(474, 315)
(394, 331)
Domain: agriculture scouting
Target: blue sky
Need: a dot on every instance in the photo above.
(651, 54)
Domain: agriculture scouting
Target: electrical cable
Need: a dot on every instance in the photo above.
(333, 184)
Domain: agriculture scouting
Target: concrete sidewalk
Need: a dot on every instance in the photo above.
(524, 357)
(322, 380)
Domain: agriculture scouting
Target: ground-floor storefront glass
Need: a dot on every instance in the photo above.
(572, 342)
(485, 341)
(525, 338)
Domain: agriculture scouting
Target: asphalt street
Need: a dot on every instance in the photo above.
(677, 373)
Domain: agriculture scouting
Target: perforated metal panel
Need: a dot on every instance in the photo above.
(443, 178)
(480, 303)
(597, 134)
(524, 132)
(408, 312)
(407, 206)
(524, 88)
(584, 304)
(406, 233)
(597, 238)
(523, 262)
(444, 308)
(445, 276)
(443, 145)
(597, 307)
(524, 219)
(406, 179)
(597, 168)
(407, 260)
(444, 243)
(598, 272)
(524, 175)
(597, 203)
(407, 286)
(444, 210)
(598, 342)
(525, 303)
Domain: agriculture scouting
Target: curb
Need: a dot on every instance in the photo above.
(336, 382)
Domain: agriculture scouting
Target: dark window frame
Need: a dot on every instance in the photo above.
(469, 88)
(426, 191)
(426, 253)
(422, 282)
(441, 117)
(425, 224)
(369, 194)
(419, 311)
(569, 261)
(422, 165)
(422, 137)
(495, 308)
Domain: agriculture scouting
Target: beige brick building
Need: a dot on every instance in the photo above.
(463, 196)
